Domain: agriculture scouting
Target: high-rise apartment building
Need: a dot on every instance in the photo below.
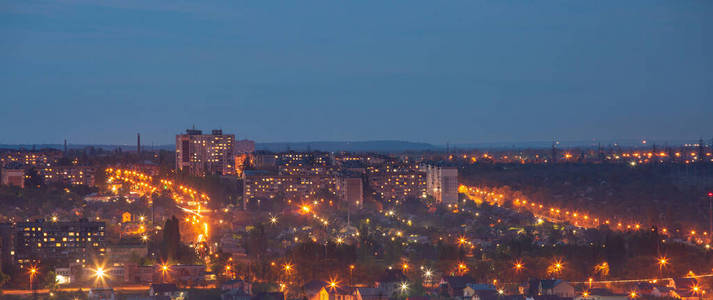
(442, 182)
(203, 154)
(350, 189)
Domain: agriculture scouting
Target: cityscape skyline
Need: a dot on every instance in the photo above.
(366, 150)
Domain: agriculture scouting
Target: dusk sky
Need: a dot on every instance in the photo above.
(98, 72)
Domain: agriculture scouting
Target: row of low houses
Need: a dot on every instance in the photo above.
(465, 288)
(120, 274)
(392, 283)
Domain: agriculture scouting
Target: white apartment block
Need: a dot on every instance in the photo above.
(442, 183)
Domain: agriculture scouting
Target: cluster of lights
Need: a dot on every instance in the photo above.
(143, 183)
(579, 219)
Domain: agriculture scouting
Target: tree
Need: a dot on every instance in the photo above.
(4, 278)
(33, 178)
(171, 240)
(49, 281)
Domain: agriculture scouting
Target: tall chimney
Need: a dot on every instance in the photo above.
(138, 143)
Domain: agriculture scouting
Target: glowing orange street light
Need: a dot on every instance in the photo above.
(633, 295)
(333, 283)
(462, 267)
(555, 267)
(461, 241)
(695, 289)
(287, 268)
(351, 271)
(33, 272)
(662, 261)
(164, 269)
(518, 266)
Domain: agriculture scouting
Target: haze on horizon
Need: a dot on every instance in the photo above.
(421, 71)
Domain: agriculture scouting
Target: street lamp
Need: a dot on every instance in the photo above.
(462, 267)
(164, 270)
(333, 283)
(33, 272)
(556, 267)
(695, 289)
(662, 262)
(351, 270)
(518, 266)
(99, 273)
(403, 287)
(288, 268)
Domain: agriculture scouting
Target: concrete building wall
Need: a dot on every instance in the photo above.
(351, 191)
(14, 177)
(442, 183)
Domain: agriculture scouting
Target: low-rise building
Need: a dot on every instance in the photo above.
(69, 175)
(551, 287)
(13, 174)
(41, 240)
(166, 291)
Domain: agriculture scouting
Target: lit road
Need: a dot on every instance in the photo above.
(123, 288)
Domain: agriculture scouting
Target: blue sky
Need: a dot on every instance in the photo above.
(425, 71)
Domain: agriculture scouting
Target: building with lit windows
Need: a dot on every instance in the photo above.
(261, 187)
(39, 158)
(350, 189)
(397, 184)
(205, 154)
(69, 175)
(61, 241)
(441, 182)
(13, 174)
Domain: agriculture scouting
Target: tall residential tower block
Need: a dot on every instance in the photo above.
(205, 154)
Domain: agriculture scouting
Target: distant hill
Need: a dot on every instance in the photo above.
(363, 146)
(380, 146)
